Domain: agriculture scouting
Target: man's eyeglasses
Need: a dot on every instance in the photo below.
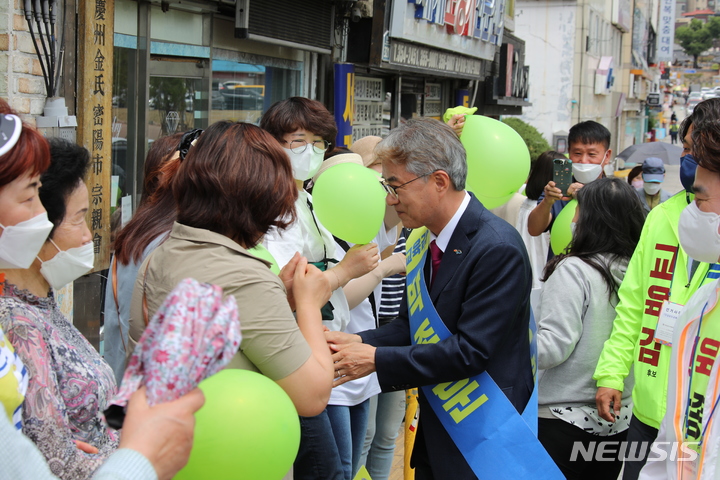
(392, 190)
(299, 146)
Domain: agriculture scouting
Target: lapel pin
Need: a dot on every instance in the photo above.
(457, 251)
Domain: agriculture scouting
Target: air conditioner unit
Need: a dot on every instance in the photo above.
(601, 80)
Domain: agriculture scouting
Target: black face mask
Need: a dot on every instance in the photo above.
(688, 166)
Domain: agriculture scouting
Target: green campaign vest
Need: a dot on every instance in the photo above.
(658, 270)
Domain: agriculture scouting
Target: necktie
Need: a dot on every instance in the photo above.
(436, 256)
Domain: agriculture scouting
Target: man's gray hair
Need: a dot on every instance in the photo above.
(424, 145)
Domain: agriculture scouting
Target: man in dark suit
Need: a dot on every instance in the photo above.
(479, 282)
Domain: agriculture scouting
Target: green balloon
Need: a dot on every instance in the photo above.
(493, 202)
(248, 428)
(350, 202)
(262, 252)
(498, 159)
(561, 232)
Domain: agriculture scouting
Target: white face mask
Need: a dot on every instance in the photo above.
(651, 188)
(586, 172)
(699, 235)
(68, 265)
(306, 164)
(638, 183)
(20, 244)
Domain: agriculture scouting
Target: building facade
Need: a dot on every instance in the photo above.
(133, 71)
(598, 59)
(418, 58)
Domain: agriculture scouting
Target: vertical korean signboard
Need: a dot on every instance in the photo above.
(666, 31)
(95, 48)
(344, 102)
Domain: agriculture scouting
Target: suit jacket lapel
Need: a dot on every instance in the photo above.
(458, 247)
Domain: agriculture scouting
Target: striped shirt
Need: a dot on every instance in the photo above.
(393, 287)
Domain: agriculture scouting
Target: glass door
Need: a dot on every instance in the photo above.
(177, 101)
(152, 99)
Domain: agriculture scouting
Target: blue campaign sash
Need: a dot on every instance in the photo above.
(495, 440)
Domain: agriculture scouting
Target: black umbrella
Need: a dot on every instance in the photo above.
(670, 154)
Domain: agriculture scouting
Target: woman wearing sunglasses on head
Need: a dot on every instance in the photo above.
(68, 380)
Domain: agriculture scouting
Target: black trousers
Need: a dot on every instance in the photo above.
(638, 433)
(558, 437)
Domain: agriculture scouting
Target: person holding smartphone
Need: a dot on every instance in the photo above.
(537, 247)
(589, 152)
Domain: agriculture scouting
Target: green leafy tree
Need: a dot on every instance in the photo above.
(534, 140)
(697, 37)
(713, 26)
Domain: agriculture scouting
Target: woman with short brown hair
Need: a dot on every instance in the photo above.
(305, 129)
(237, 182)
(234, 184)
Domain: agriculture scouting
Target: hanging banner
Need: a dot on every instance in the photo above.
(344, 103)
(666, 31)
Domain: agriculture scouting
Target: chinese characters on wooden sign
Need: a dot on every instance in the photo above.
(94, 116)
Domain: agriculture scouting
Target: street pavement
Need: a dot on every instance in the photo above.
(672, 183)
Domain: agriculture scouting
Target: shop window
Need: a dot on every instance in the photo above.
(121, 174)
(242, 92)
(171, 105)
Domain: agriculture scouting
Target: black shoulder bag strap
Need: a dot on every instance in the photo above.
(346, 246)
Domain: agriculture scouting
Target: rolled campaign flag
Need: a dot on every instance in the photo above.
(193, 335)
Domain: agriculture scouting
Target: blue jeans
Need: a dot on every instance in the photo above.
(318, 456)
(387, 411)
(349, 425)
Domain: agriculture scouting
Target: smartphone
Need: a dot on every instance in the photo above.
(562, 174)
